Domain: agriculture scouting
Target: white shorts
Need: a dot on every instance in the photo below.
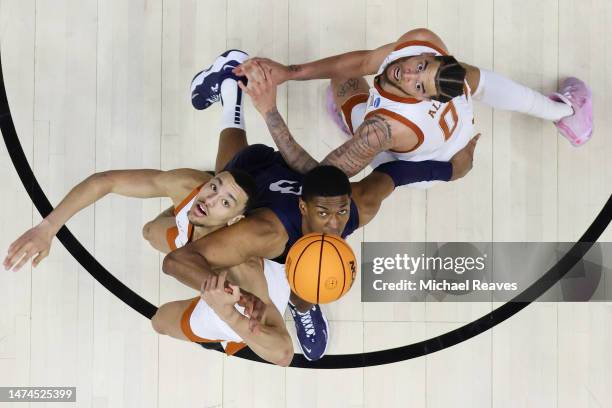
(202, 325)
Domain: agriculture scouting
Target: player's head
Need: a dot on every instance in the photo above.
(426, 76)
(223, 199)
(325, 203)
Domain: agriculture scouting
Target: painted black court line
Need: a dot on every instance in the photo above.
(446, 340)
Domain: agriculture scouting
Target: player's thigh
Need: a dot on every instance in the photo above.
(168, 318)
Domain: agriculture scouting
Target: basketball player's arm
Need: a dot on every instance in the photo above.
(348, 65)
(262, 91)
(144, 183)
(270, 339)
(376, 134)
(258, 235)
(371, 191)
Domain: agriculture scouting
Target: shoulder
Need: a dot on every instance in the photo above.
(179, 183)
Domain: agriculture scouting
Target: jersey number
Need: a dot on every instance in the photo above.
(448, 120)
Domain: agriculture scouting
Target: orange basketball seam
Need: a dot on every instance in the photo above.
(302, 252)
(320, 263)
(343, 268)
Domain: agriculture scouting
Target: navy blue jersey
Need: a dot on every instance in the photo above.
(279, 189)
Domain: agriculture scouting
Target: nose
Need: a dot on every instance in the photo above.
(333, 224)
(210, 200)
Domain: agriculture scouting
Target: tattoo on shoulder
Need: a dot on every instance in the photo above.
(351, 84)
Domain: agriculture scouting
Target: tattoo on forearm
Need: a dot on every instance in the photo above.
(296, 157)
(372, 137)
(351, 84)
(294, 68)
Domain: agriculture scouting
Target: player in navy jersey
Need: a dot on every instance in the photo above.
(289, 205)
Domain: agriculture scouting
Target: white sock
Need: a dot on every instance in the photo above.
(231, 97)
(503, 93)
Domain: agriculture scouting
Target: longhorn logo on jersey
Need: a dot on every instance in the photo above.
(287, 187)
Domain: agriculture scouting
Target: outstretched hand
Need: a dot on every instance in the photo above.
(278, 73)
(35, 242)
(463, 160)
(261, 88)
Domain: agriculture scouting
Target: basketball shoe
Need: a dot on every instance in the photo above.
(206, 85)
(312, 331)
(576, 128)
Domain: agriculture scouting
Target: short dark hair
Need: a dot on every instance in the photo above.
(450, 78)
(325, 181)
(247, 183)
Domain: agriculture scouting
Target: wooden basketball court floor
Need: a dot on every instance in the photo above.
(103, 84)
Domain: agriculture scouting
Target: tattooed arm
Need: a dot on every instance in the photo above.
(296, 157)
(262, 91)
(375, 135)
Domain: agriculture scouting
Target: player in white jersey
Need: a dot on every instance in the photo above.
(202, 204)
(421, 104)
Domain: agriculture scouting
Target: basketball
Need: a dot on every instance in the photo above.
(320, 268)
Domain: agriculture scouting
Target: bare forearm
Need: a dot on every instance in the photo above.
(346, 65)
(188, 267)
(296, 157)
(270, 343)
(81, 196)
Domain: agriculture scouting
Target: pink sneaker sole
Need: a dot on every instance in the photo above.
(577, 128)
(334, 112)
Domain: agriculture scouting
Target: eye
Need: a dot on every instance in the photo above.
(213, 187)
(322, 214)
(420, 67)
(342, 212)
(419, 87)
(225, 203)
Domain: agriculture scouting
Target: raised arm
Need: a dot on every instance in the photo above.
(258, 235)
(131, 183)
(347, 65)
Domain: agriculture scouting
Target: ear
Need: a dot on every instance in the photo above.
(235, 220)
(302, 205)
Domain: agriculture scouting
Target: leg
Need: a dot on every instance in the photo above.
(231, 141)
(219, 83)
(503, 93)
(167, 320)
(570, 108)
(301, 305)
(311, 327)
